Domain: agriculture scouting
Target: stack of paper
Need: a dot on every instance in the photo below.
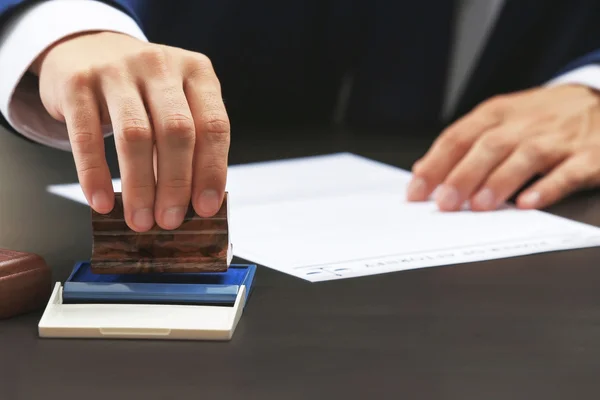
(342, 216)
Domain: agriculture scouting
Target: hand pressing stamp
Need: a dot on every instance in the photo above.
(199, 245)
(25, 283)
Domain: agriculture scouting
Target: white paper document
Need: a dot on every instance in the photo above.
(342, 216)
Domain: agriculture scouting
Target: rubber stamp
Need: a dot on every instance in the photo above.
(199, 245)
(161, 284)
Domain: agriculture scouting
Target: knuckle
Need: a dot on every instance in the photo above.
(497, 143)
(537, 150)
(135, 131)
(111, 71)
(454, 140)
(151, 54)
(202, 60)
(419, 166)
(179, 127)
(217, 127)
(88, 167)
(177, 183)
(495, 104)
(200, 68)
(153, 57)
(84, 141)
(141, 186)
(423, 169)
(79, 79)
(202, 77)
(87, 163)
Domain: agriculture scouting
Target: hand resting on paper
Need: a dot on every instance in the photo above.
(170, 126)
(492, 152)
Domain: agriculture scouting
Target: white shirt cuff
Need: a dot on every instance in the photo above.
(25, 37)
(588, 75)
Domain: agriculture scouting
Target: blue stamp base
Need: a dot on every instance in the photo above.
(210, 288)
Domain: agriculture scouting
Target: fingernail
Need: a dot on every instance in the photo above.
(173, 217)
(416, 189)
(530, 199)
(447, 197)
(485, 199)
(101, 201)
(143, 218)
(209, 202)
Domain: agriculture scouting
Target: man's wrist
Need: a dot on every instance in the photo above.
(36, 66)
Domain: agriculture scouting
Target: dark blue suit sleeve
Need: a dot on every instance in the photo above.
(135, 8)
(7, 7)
(587, 59)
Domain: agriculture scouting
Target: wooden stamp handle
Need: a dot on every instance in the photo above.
(198, 245)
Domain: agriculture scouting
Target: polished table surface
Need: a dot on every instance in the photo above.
(519, 328)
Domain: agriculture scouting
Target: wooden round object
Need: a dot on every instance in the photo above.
(25, 283)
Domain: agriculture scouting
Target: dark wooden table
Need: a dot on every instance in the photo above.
(520, 328)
